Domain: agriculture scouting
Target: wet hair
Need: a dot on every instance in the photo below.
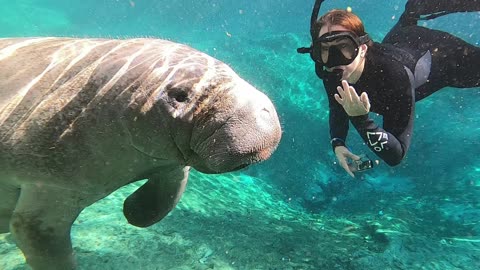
(343, 18)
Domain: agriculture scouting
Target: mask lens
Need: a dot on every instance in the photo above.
(334, 51)
(347, 47)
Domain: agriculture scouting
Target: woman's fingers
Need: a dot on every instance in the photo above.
(353, 156)
(353, 94)
(343, 154)
(344, 164)
(338, 99)
(353, 103)
(365, 100)
(341, 92)
(346, 91)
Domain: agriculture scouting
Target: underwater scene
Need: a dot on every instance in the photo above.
(255, 201)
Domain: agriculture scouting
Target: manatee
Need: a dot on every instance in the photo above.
(80, 118)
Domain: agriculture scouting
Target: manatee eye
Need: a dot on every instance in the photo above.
(178, 94)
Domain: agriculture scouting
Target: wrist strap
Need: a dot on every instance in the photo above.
(337, 142)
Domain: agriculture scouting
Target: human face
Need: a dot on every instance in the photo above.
(335, 48)
(352, 71)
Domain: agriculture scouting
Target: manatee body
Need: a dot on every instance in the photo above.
(80, 118)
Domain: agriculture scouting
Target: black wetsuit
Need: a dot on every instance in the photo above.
(395, 79)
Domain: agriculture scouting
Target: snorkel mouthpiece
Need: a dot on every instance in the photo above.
(304, 50)
(333, 76)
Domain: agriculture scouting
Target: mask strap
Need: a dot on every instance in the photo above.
(364, 39)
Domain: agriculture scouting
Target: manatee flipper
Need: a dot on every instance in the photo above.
(8, 199)
(156, 198)
(41, 225)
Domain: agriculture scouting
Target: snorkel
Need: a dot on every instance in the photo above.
(332, 49)
(335, 75)
(313, 31)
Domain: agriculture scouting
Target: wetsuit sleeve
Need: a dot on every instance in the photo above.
(391, 142)
(338, 121)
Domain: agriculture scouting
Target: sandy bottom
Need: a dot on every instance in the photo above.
(238, 222)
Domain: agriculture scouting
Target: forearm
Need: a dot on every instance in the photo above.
(383, 143)
(338, 128)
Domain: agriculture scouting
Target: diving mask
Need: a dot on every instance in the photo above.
(331, 49)
(338, 48)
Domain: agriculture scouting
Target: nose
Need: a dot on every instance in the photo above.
(267, 119)
(267, 122)
(250, 134)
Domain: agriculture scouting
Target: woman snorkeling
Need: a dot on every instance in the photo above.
(362, 76)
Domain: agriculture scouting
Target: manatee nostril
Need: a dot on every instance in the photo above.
(266, 114)
(179, 95)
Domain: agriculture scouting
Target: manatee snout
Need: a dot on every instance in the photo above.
(249, 134)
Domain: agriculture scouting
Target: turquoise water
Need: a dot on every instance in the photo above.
(298, 210)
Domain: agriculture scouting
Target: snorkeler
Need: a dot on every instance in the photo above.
(362, 76)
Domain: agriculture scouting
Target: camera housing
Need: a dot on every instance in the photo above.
(363, 164)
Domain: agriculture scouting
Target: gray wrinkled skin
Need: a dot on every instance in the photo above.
(80, 118)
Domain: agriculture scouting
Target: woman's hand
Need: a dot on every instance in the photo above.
(343, 154)
(353, 104)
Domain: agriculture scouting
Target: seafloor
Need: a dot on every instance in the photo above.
(238, 222)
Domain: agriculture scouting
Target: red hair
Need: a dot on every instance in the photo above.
(342, 18)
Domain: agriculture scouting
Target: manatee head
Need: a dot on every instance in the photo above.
(216, 121)
(238, 128)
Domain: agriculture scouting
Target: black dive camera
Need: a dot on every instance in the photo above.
(363, 164)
